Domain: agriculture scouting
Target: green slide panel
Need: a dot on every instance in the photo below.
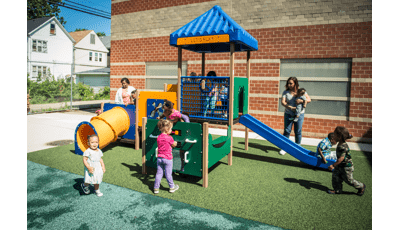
(218, 148)
(189, 152)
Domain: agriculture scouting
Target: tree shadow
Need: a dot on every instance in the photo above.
(307, 184)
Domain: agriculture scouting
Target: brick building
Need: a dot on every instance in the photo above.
(326, 44)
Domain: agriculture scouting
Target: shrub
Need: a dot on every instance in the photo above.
(46, 90)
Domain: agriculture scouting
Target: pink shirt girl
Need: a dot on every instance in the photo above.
(177, 114)
(164, 142)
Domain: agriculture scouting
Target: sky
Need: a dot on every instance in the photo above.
(76, 19)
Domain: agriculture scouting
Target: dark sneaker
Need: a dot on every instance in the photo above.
(333, 192)
(85, 189)
(361, 190)
(172, 190)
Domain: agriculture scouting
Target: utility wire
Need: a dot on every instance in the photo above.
(86, 10)
(88, 6)
(83, 11)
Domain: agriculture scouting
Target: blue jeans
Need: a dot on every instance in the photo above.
(297, 127)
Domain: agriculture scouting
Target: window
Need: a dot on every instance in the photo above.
(158, 73)
(34, 45)
(42, 70)
(34, 71)
(44, 47)
(100, 57)
(39, 46)
(53, 29)
(90, 56)
(327, 82)
(95, 56)
(92, 39)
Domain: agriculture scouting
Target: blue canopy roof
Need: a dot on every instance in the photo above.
(214, 22)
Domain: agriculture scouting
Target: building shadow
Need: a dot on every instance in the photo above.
(265, 148)
(274, 160)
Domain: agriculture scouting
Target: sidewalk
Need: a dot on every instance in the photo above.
(75, 104)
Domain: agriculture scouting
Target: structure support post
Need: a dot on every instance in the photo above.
(144, 122)
(203, 64)
(137, 121)
(178, 91)
(246, 138)
(205, 155)
(231, 99)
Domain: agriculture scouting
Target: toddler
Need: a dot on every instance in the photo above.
(300, 95)
(133, 97)
(224, 99)
(172, 114)
(324, 148)
(211, 97)
(94, 166)
(344, 167)
(165, 144)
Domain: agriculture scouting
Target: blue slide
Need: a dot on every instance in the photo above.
(283, 142)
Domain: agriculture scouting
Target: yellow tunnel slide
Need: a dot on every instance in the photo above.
(108, 126)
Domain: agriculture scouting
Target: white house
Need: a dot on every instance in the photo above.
(107, 43)
(91, 60)
(50, 48)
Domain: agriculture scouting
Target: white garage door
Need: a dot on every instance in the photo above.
(96, 82)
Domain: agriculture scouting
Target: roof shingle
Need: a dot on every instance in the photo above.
(34, 23)
(79, 35)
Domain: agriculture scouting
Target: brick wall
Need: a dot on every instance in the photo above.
(306, 29)
(124, 7)
(166, 18)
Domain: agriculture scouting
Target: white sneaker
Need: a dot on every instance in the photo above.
(98, 193)
(282, 152)
(172, 190)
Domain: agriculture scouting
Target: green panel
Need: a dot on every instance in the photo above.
(241, 91)
(218, 148)
(190, 131)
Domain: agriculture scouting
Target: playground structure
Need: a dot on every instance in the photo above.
(214, 31)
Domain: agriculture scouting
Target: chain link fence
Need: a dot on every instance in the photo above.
(47, 94)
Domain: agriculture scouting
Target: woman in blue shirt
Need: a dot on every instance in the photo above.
(289, 102)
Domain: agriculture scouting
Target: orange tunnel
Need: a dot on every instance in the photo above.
(108, 126)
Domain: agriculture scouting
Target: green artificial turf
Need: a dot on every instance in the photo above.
(260, 185)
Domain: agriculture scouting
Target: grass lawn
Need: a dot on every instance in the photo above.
(260, 185)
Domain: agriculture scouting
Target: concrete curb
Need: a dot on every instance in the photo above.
(75, 104)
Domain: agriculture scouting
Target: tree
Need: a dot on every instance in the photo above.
(79, 29)
(43, 8)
